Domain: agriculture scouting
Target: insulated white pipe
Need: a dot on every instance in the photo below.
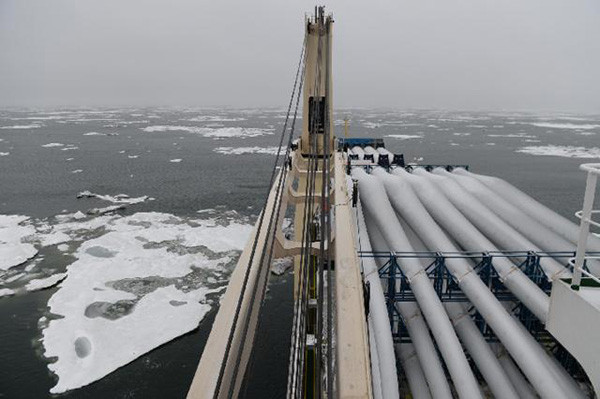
(471, 338)
(493, 225)
(480, 351)
(529, 355)
(375, 371)
(557, 369)
(517, 379)
(384, 151)
(521, 219)
(357, 150)
(417, 329)
(375, 202)
(372, 151)
(537, 210)
(379, 324)
(413, 371)
(457, 225)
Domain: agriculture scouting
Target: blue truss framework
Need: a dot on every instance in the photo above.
(398, 287)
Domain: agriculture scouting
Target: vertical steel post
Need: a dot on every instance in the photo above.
(584, 227)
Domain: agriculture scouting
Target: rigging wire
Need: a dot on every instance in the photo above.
(254, 245)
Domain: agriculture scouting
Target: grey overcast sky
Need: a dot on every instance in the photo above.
(451, 54)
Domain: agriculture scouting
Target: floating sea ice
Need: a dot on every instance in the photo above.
(3, 154)
(6, 292)
(53, 238)
(94, 134)
(237, 132)
(404, 136)
(40, 284)
(115, 199)
(50, 145)
(129, 291)
(247, 150)
(566, 125)
(371, 125)
(108, 209)
(13, 231)
(63, 247)
(69, 147)
(217, 133)
(32, 126)
(562, 151)
(177, 160)
(281, 265)
(77, 171)
(214, 118)
(517, 136)
(132, 156)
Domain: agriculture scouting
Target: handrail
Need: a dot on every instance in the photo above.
(593, 171)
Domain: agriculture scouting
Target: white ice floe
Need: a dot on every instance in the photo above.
(77, 171)
(63, 247)
(223, 132)
(281, 265)
(94, 134)
(461, 134)
(50, 145)
(132, 156)
(247, 150)
(6, 292)
(516, 136)
(404, 136)
(69, 147)
(562, 151)
(215, 118)
(371, 125)
(176, 160)
(31, 126)
(115, 199)
(53, 238)
(3, 154)
(108, 209)
(38, 118)
(132, 289)
(14, 229)
(575, 126)
(40, 284)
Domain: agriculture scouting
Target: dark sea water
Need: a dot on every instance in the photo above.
(133, 154)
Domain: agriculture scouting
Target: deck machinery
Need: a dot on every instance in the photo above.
(423, 281)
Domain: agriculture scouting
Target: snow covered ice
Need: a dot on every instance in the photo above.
(139, 285)
(562, 151)
(13, 248)
(247, 150)
(216, 133)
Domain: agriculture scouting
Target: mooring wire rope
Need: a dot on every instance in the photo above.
(302, 284)
(256, 237)
(270, 231)
(282, 179)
